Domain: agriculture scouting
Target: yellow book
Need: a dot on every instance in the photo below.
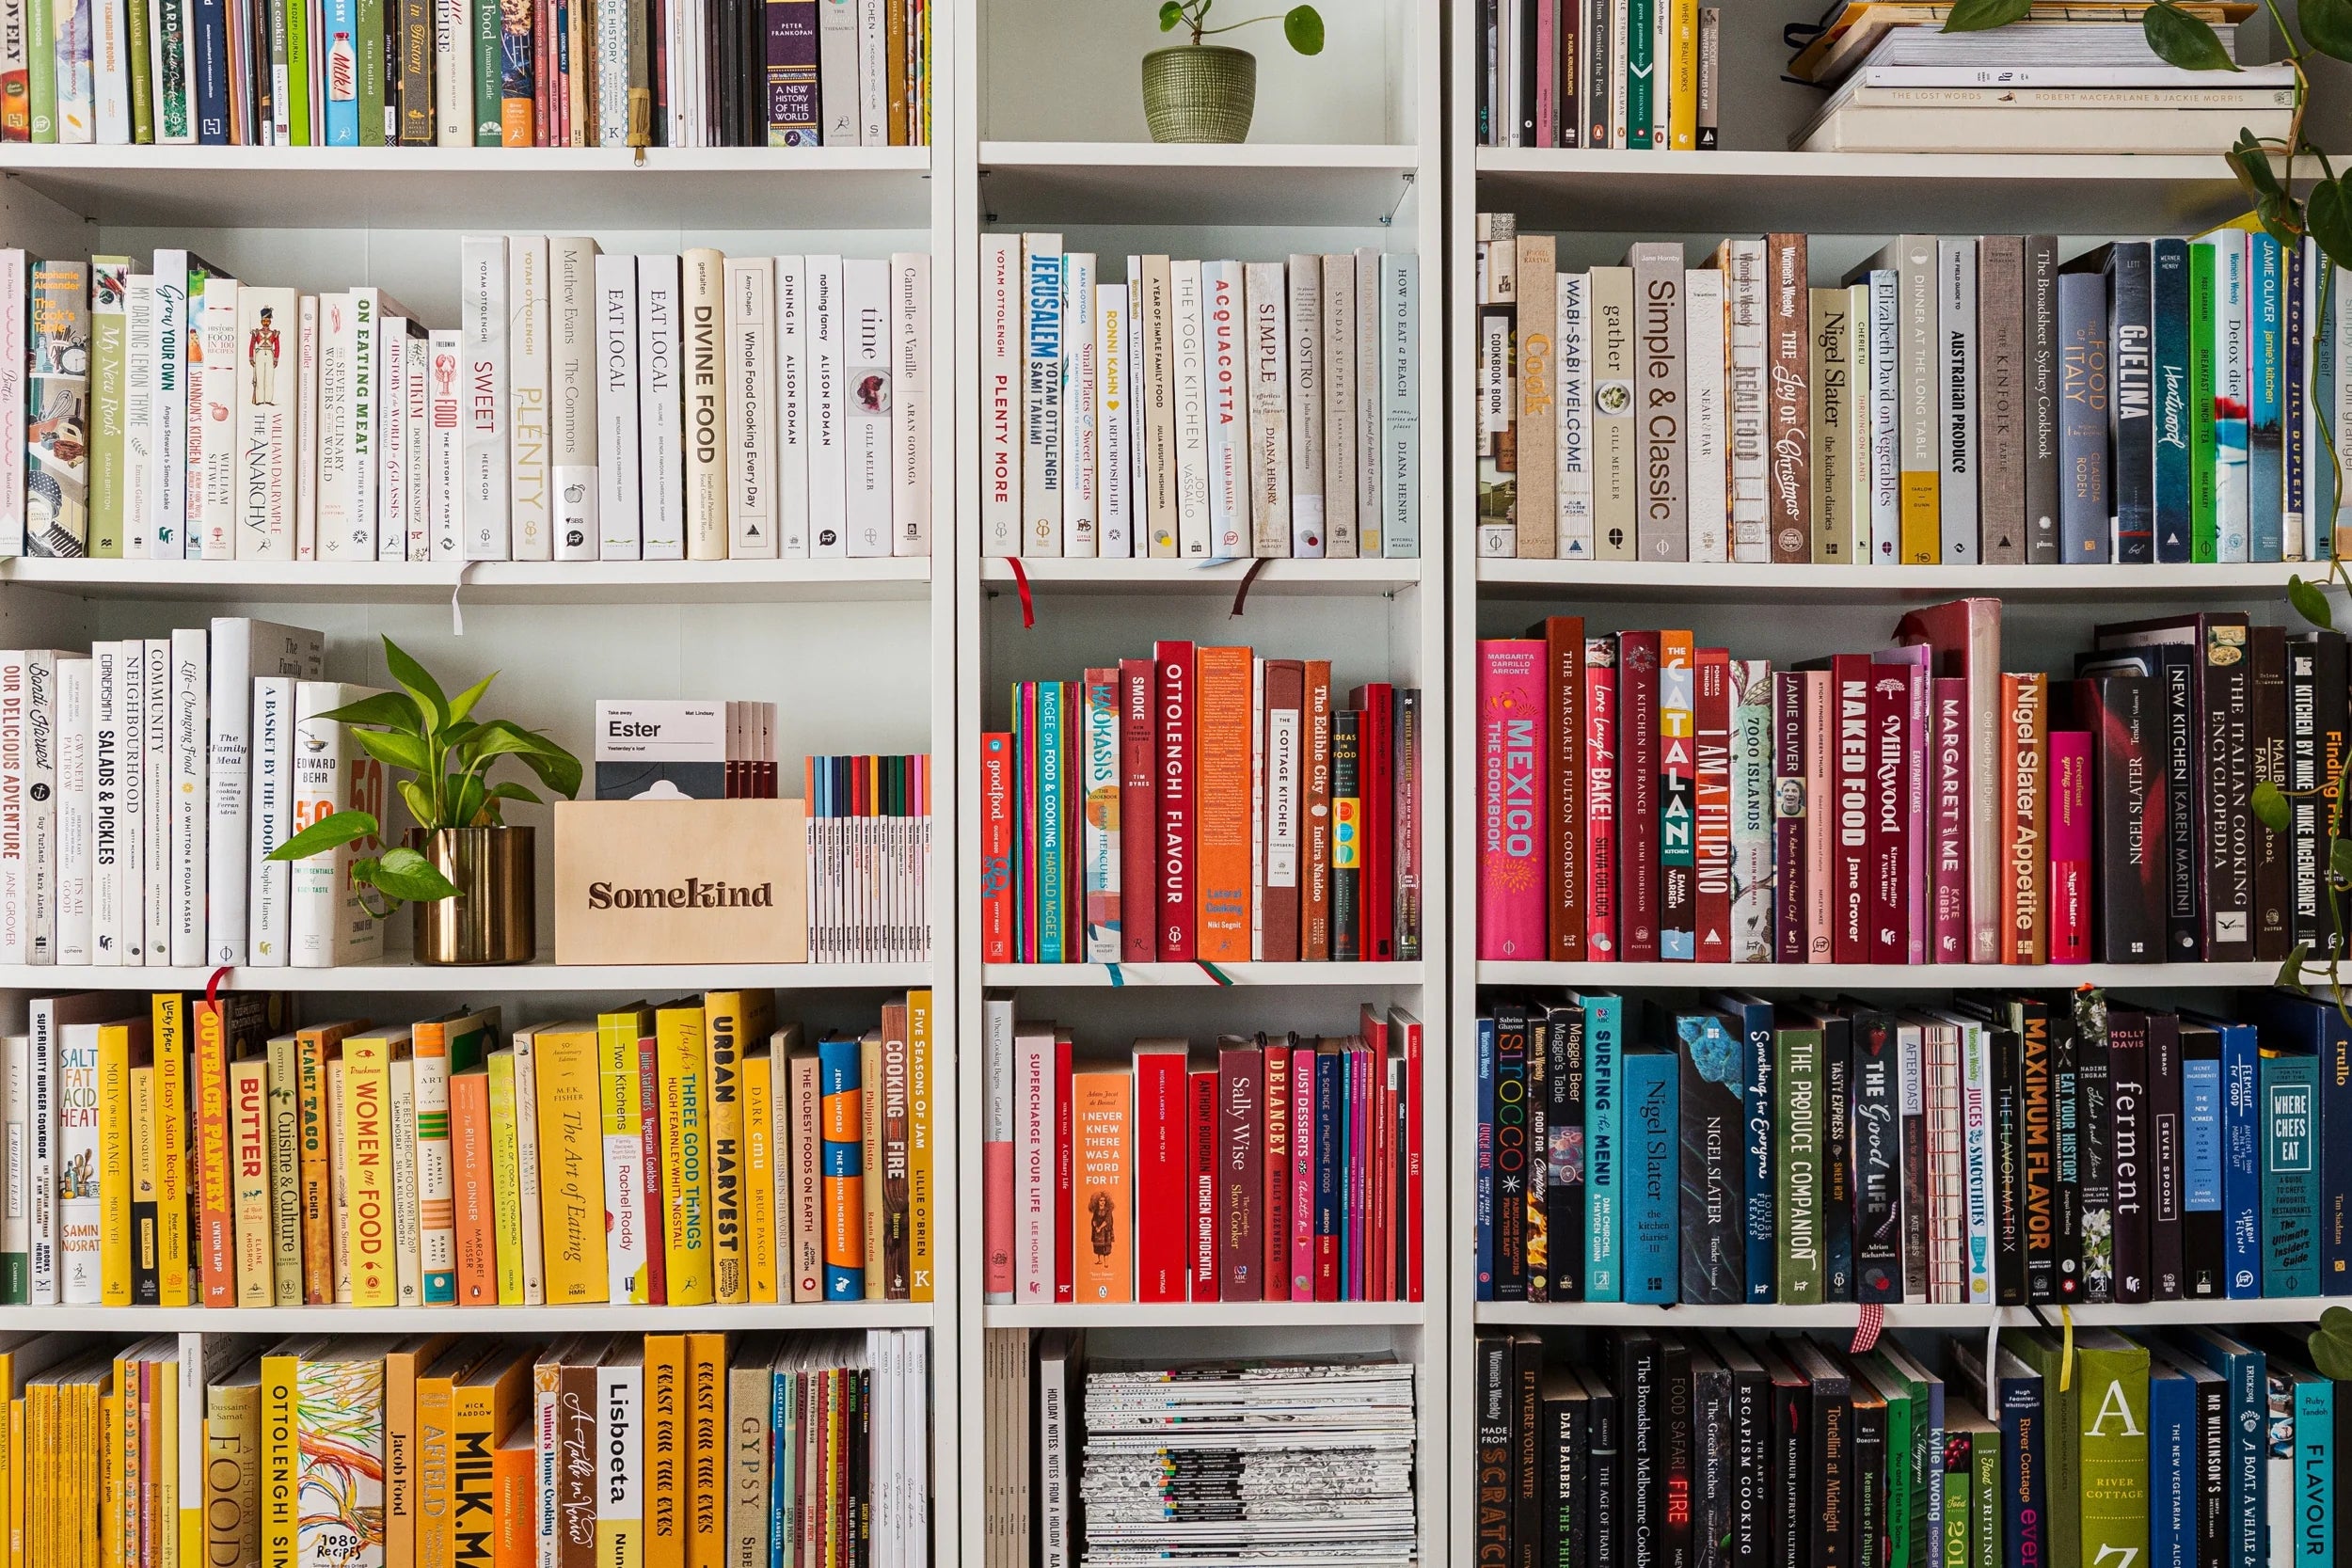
(367, 1132)
(338, 1186)
(112, 1479)
(621, 1465)
(668, 1476)
(707, 1392)
(490, 1400)
(620, 1097)
(401, 1370)
(759, 1177)
(315, 1047)
(249, 1140)
(182, 1539)
(436, 1418)
(506, 1202)
(280, 1498)
(168, 1029)
(18, 1465)
(122, 1046)
(121, 1468)
(681, 1066)
(233, 1468)
(144, 1258)
(1683, 75)
(870, 1111)
(1922, 517)
(733, 1022)
(921, 1240)
(571, 1163)
(285, 1171)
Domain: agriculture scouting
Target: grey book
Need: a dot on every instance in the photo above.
(2000, 399)
(2041, 322)
(1662, 526)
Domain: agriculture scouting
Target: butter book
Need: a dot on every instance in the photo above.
(662, 751)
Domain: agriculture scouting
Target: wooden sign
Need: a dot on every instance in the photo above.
(680, 881)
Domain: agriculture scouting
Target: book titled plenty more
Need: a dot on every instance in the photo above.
(1956, 401)
(584, 406)
(1198, 410)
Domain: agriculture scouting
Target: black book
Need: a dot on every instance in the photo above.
(2209, 1399)
(1837, 1156)
(1560, 1475)
(1603, 1508)
(2165, 1150)
(2332, 676)
(2266, 697)
(1537, 1242)
(2066, 1183)
(1495, 1514)
(1711, 1460)
(2037, 1148)
(1713, 1171)
(1748, 1522)
(1564, 1162)
(2131, 401)
(1789, 1416)
(1873, 1542)
(2123, 716)
(2322, 654)
(1511, 1154)
(1680, 1453)
(2205, 1262)
(1877, 1183)
(2174, 669)
(1527, 1511)
(2130, 1166)
(2008, 1195)
(1634, 1359)
(1828, 1461)
(2095, 1124)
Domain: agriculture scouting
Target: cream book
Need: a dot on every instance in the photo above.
(268, 338)
(703, 341)
(751, 421)
(1080, 439)
(572, 394)
(794, 389)
(1227, 411)
(328, 920)
(911, 403)
(866, 366)
(828, 436)
(213, 396)
(617, 432)
(661, 413)
(1304, 279)
(1192, 411)
(1041, 475)
(528, 440)
(483, 326)
(1001, 361)
(1268, 343)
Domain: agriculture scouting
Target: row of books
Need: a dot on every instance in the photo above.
(807, 1449)
(466, 74)
(1268, 1168)
(869, 859)
(1644, 74)
(1644, 799)
(2003, 1150)
(586, 406)
(1953, 402)
(205, 1151)
(1207, 806)
(1199, 410)
(1121, 1464)
(2174, 1446)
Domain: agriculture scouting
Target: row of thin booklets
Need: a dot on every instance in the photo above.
(1646, 73)
(1199, 410)
(467, 72)
(1203, 805)
(207, 1151)
(1641, 798)
(1953, 402)
(1268, 1168)
(2179, 1446)
(807, 1449)
(1121, 1464)
(2008, 1149)
(586, 406)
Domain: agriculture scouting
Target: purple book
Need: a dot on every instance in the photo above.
(794, 117)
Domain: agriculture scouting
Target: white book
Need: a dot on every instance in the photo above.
(873, 124)
(75, 677)
(1885, 415)
(827, 331)
(661, 413)
(1267, 342)
(617, 499)
(1572, 424)
(395, 464)
(80, 1246)
(273, 821)
(444, 442)
(1399, 406)
(168, 414)
(106, 804)
(750, 407)
(453, 74)
(40, 800)
(346, 448)
(792, 408)
(156, 803)
(1956, 382)
(1742, 264)
(529, 506)
(189, 695)
(17, 909)
(620, 1399)
(131, 808)
(268, 413)
(1227, 414)
(1188, 331)
(866, 378)
(1341, 457)
(1708, 492)
(216, 392)
(1002, 336)
(138, 415)
(1303, 281)
(1081, 453)
(1113, 422)
(110, 73)
(571, 386)
(327, 924)
(2229, 389)
(1367, 401)
(702, 342)
(1041, 476)
(527, 1164)
(307, 429)
(1857, 452)
(242, 650)
(482, 317)
(15, 295)
(418, 347)
(911, 402)
(837, 74)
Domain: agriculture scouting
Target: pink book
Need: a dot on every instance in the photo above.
(1408, 1225)
(1546, 90)
(1965, 634)
(649, 1096)
(1819, 738)
(1359, 1171)
(1303, 1174)
(1952, 821)
(1033, 1166)
(1372, 1025)
(2070, 846)
(1163, 1170)
(1919, 734)
(1510, 810)
(1600, 797)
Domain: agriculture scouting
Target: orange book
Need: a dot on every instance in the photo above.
(315, 1046)
(1224, 808)
(216, 1180)
(706, 1494)
(666, 1482)
(473, 1176)
(1102, 1198)
(511, 1470)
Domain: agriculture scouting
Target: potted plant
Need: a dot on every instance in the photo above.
(1201, 91)
(468, 876)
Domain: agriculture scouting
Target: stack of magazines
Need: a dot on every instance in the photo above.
(2070, 78)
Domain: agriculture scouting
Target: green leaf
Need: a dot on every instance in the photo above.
(406, 874)
(2252, 162)
(2337, 1321)
(2340, 859)
(1303, 26)
(511, 791)
(2290, 972)
(2327, 26)
(420, 803)
(463, 702)
(331, 831)
(556, 768)
(1170, 14)
(2271, 808)
(2181, 39)
(2330, 1356)
(2328, 210)
(390, 746)
(2310, 602)
(394, 710)
(466, 806)
(1978, 16)
(418, 682)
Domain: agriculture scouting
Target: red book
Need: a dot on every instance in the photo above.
(1172, 700)
(1564, 787)
(1359, 1188)
(1163, 1156)
(1636, 743)
(1849, 722)
(649, 1096)
(1065, 1172)
(1136, 885)
(1890, 778)
(1331, 1083)
(2070, 846)
(1600, 798)
(1965, 636)
(1204, 1149)
(1274, 1208)
(1241, 1170)
(1710, 703)
(996, 848)
(1789, 807)
(1380, 1207)
(1409, 1230)
(1949, 802)
(1376, 770)
(474, 1185)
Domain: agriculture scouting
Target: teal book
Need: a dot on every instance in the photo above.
(1798, 1131)
(2290, 1188)
(1641, 71)
(1652, 1266)
(1604, 1104)
(2061, 1402)
(1052, 913)
(2111, 1383)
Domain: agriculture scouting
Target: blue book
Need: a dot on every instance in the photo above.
(2265, 366)
(2314, 1462)
(2245, 1447)
(1051, 854)
(2171, 1466)
(2241, 1160)
(2168, 314)
(1754, 1016)
(784, 1479)
(1652, 1264)
(1483, 1199)
(336, 51)
(2304, 1024)
(839, 1074)
(2201, 1170)
(1604, 1053)
(208, 70)
(2131, 403)
(2289, 1106)
(2010, 1393)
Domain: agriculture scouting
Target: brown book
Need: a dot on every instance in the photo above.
(1535, 494)
(401, 1456)
(2025, 818)
(897, 1262)
(1241, 1169)
(1314, 926)
(1284, 795)
(2001, 399)
(416, 72)
(1564, 755)
(1788, 397)
(576, 1433)
(2273, 924)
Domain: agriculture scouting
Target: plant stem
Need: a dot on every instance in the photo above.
(1231, 26)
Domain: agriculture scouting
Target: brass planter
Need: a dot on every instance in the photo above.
(1199, 92)
(493, 920)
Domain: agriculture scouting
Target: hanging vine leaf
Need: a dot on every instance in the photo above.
(1303, 26)
(2329, 212)
(1977, 16)
(2271, 808)
(2310, 602)
(2183, 41)
(1170, 14)
(2290, 972)
(2328, 26)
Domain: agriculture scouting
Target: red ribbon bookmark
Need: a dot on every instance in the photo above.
(1021, 582)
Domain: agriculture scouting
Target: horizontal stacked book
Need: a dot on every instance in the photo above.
(584, 406)
(2186, 1444)
(1643, 799)
(1202, 805)
(1269, 1167)
(466, 74)
(1646, 73)
(2003, 1150)
(1199, 410)
(204, 1150)
(1956, 401)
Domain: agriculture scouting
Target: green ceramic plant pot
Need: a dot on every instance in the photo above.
(1199, 92)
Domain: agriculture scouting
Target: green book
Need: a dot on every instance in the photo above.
(1895, 1371)
(1957, 1480)
(110, 330)
(142, 81)
(489, 95)
(2204, 479)
(41, 51)
(370, 44)
(298, 132)
(1904, 1505)
(2111, 1387)
(2062, 1456)
(1798, 1126)
(1640, 72)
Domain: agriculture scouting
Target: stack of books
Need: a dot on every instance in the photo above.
(2079, 77)
(1646, 73)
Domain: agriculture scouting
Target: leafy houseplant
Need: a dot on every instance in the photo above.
(1206, 92)
(465, 873)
